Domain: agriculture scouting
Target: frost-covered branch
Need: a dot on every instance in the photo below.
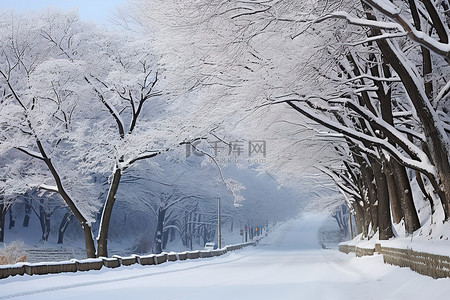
(31, 153)
(360, 21)
(126, 164)
(402, 24)
(378, 37)
(351, 191)
(111, 109)
(424, 166)
(393, 12)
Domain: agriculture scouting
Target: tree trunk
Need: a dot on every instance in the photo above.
(380, 69)
(44, 220)
(400, 195)
(205, 235)
(436, 138)
(185, 230)
(358, 218)
(191, 230)
(12, 222)
(165, 237)
(102, 239)
(159, 230)
(424, 191)
(384, 214)
(427, 66)
(63, 226)
(394, 194)
(195, 227)
(406, 198)
(420, 182)
(368, 181)
(26, 218)
(88, 239)
(2, 220)
(172, 233)
(367, 219)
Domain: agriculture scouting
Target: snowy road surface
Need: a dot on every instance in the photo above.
(289, 264)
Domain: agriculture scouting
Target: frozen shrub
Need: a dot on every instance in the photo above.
(13, 253)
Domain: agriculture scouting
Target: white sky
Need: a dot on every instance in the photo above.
(89, 10)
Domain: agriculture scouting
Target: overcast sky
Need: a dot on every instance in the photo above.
(89, 10)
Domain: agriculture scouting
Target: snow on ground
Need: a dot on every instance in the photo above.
(288, 264)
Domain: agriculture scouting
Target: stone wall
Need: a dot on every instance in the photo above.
(436, 266)
(75, 265)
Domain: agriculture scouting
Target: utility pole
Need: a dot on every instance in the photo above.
(219, 230)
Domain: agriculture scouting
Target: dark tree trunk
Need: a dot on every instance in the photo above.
(402, 204)
(205, 235)
(102, 239)
(380, 69)
(368, 182)
(434, 135)
(406, 198)
(44, 219)
(12, 222)
(88, 239)
(394, 194)
(384, 214)
(427, 66)
(424, 191)
(185, 231)
(26, 218)
(358, 218)
(2, 220)
(340, 215)
(367, 219)
(191, 230)
(63, 226)
(420, 182)
(159, 230)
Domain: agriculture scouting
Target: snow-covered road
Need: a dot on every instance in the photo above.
(289, 264)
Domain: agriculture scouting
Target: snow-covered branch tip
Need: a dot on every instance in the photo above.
(125, 165)
(50, 188)
(378, 37)
(360, 22)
